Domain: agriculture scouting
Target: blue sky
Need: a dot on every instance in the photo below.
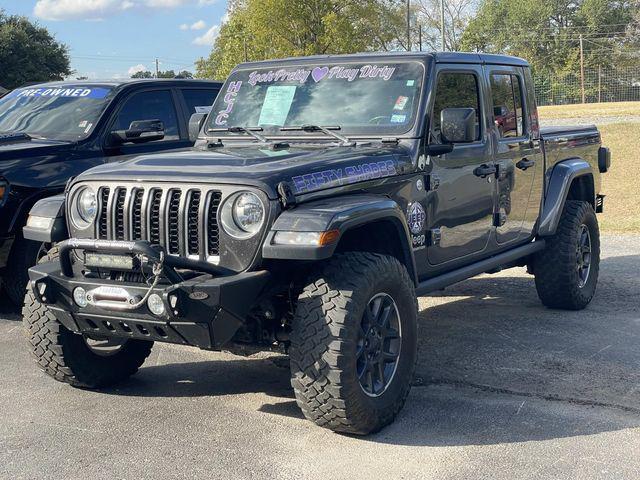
(114, 38)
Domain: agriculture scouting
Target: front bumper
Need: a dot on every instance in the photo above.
(208, 309)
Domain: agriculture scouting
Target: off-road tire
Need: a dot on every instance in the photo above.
(324, 341)
(24, 255)
(555, 268)
(66, 357)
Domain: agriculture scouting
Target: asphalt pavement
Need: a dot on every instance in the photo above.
(504, 389)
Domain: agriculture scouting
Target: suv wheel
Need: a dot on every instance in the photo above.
(74, 359)
(24, 255)
(566, 271)
(353, 344)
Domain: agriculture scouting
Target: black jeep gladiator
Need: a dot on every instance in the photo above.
(323, 195)
(54, 131)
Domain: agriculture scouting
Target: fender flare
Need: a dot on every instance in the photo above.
(560, 180)
(339, 213)
(54, 230)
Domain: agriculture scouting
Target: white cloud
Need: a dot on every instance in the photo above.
(208, 37)
(164, 3)
(199, 25)
(202, 3)
(136, 69)
(95, 9)
(74, 9)
(184, 26)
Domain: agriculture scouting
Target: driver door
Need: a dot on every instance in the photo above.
(147, 105)
(461, 197)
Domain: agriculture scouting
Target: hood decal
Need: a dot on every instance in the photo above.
(348, 175)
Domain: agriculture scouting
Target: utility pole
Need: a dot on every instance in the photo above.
(408, 25)
(581, 68)
(444, 46)
(244, 41)
(420, 37)
(599, 83)
(157, 69)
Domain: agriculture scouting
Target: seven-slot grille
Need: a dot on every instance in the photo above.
(183, 220)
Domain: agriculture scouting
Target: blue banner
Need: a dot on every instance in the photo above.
(64, 92)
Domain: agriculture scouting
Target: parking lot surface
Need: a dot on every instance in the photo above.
(504, 389)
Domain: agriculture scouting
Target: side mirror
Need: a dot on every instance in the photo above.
(196, 121)
(458, 125)
(139, 131)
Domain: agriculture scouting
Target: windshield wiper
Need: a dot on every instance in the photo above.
(317, 128)
(248, 130)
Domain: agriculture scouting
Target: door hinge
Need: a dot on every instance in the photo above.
(434, 182)
(435, 237)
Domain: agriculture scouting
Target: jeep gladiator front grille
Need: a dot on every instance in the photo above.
(183, 220)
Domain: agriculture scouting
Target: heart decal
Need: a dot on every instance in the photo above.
(318, 73)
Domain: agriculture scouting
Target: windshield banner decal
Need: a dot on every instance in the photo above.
(320, 73)
(338, 176)
(65, 92)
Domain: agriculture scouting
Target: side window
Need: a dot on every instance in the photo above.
(455, 90)
(199, 100)
(151, 105)
(507, 105)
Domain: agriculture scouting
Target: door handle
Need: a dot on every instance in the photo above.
(525, 163)
(483, 171)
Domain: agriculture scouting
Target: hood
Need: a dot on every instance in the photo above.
(20, 154)
(306, 169)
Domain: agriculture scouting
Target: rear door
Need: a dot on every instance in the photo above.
(518, 158)
(460, 201)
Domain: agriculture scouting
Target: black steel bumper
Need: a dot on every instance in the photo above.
(205, 311)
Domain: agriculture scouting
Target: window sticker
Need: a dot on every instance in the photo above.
(203, 109)
(65, 92)
(83, 124)
(398, 118)
(401, 102)
(410, 83)
(89, 125)
(276, 105)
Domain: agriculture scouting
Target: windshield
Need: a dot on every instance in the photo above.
(361, 99)
(55, 113)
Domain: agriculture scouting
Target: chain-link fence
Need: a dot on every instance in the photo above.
(600, 85)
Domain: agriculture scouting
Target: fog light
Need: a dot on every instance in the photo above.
(80, 297)
(155, 304)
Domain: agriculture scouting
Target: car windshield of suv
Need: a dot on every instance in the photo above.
(66, 113)
(361, 99)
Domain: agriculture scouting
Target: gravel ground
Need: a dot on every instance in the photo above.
(504, 389)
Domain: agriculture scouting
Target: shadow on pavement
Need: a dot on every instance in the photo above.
(486, 346)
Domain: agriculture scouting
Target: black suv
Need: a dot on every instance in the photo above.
(323, 196)
(52, 132)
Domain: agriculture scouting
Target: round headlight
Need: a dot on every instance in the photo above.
(87, 205)
(242, 215)
(84, 208)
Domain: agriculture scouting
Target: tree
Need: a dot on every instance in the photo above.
(29, 53)
(457, 15)
(261, 29)
(547, 32)
(162, 74)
